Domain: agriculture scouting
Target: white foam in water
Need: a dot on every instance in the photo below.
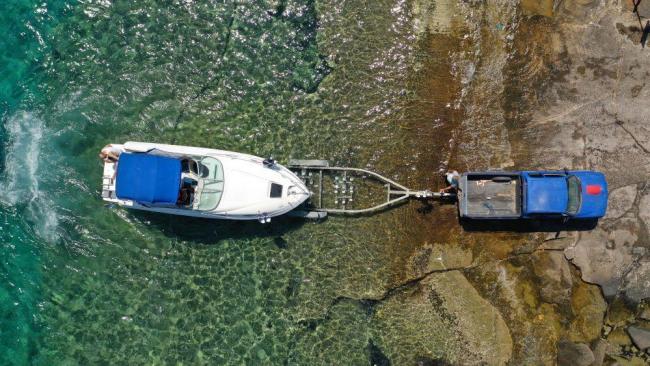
(21, 174)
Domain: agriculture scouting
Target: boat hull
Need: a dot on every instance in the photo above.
(246, 191)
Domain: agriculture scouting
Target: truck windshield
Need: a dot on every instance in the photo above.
(573, 205)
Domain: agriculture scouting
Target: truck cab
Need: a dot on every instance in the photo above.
(532, 195)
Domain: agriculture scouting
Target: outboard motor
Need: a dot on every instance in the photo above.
(269, 162)
(264, 218)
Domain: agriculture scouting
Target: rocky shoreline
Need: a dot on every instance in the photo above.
(594, 117)
(544, 85)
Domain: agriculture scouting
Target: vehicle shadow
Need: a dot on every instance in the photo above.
(210, 231)
(528, 226)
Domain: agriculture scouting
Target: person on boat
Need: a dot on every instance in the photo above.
(453, 178)
(109, 154)
(185, 195)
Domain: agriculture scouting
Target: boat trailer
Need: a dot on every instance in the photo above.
(351, 191)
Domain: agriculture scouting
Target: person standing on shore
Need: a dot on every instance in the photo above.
(453, 178)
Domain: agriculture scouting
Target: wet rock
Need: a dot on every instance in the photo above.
(554, 274)
(436, 257)
(617, 339)
(640, 337)
(433, 17)
(619, 313)
(599, 263)
(620, 201)
(637, 282)
(599, 348)
(538, 7)
(441, 323)
(574, 354)
(588, 307)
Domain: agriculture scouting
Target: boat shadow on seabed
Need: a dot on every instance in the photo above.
(211, 231)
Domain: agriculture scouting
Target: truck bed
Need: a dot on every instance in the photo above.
(490, 195)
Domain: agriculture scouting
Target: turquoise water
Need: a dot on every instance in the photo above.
(83, 283)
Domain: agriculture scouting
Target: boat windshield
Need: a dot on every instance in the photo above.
(212, 181)
(573, 205)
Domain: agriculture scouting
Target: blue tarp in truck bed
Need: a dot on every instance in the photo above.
(148, 178)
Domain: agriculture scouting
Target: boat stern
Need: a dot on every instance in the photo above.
(108, 181)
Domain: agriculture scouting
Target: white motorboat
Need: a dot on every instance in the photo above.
(199, 182)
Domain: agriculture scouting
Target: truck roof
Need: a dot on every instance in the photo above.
(546, 194)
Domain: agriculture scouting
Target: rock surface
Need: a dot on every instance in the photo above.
(455, 329)
(584, 106)
(620, 201)
(588, 308)
(640, 337)
(592, 118)
(637, 286)
(599, 263)
(574, 354)
(555, 276)
(599, 348)
(437, 257)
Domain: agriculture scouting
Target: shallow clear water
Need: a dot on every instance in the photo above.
(84, 283)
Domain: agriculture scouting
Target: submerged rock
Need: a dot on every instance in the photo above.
(438, 257)
(588, 307)
(376, 356)
(446, 319)
(554, 273)
(574, 354)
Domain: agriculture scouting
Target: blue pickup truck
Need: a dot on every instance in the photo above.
(532, 195)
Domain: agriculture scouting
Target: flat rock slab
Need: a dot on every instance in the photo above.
(640, 337)
(600, 263)
(637, 282)
(620, 201)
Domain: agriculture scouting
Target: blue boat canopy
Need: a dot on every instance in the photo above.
(148, 178)
(547, 195)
